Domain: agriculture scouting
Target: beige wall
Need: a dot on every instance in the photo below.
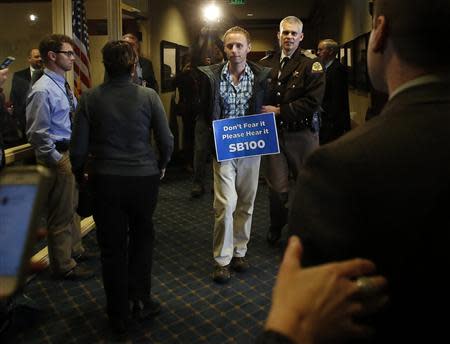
(263, 39)
(96, 9)
(18, 35)
(356, 19)
(166, 23)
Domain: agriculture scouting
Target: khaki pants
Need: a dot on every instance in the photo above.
(235, 186)
(63, 224)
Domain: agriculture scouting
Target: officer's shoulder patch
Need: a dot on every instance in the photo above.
(317, 67)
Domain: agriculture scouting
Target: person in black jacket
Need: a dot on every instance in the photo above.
(3, 115)
(144, 74)
(113, 126)
(21, 84)
(335, 117)
(382, 191)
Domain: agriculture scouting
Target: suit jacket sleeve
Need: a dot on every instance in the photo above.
(272, 337)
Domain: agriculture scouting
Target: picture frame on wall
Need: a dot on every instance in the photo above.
(353, 55)
(171, 57)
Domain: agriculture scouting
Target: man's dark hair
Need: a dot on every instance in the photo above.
(53, 43)
(119, 58)
(418, 29)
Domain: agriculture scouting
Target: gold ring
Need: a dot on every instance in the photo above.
(365, 285)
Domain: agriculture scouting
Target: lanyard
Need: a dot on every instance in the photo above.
(67, 93)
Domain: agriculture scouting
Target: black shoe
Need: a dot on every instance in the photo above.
(273, 237)
(240, 264)
(221, 274)
(77, 273)
(197, 190)
(145, 309)
(86, 256)
(119, 328)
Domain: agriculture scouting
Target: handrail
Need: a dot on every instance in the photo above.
(18, 153)
(26, 151)
(41, 257)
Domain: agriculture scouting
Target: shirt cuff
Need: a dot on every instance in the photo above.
(55, 156)
(273, 337)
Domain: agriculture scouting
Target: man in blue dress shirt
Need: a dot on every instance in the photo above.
(49, 111)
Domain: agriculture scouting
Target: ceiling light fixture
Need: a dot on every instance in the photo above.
(212, 13)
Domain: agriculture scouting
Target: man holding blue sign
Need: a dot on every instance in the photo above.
(233, 89)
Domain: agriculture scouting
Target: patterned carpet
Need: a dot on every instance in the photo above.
(195, 309)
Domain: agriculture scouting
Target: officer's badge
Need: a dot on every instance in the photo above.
(317, 68)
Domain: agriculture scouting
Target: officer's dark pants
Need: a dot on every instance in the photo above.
(282, 169)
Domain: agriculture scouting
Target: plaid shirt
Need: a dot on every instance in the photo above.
(235, 99)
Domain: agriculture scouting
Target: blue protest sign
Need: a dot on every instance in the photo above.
(245, 136)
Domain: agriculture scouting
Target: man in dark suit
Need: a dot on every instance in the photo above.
(3, 114)
(336, 114)
(382, 191)
(21, 84)
(144, 74)
(296, 91)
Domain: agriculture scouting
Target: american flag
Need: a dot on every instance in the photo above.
(82, 66)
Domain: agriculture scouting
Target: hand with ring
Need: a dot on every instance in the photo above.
(322, 304)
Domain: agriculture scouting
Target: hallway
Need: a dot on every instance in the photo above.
(195, 309)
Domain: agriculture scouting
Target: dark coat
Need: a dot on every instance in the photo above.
(113, 126)
(382, 192)
(3, 121)
(148, 73)
(298, 90)
(210, 90)
(21, 84)
(336, 112)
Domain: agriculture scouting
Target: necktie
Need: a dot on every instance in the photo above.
(283, 62)
(70, 99)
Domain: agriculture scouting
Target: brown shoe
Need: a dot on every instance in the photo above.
(240, 264)
(221, 274)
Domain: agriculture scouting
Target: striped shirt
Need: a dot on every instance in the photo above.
(235, 98)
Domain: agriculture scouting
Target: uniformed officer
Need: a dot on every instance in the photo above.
(296, 91)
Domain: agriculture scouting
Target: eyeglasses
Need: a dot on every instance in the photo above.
(68, 53)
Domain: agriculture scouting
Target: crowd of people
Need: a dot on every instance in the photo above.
(378, 192)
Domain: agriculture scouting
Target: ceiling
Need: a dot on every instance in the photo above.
(269, 9)
(265, 12)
